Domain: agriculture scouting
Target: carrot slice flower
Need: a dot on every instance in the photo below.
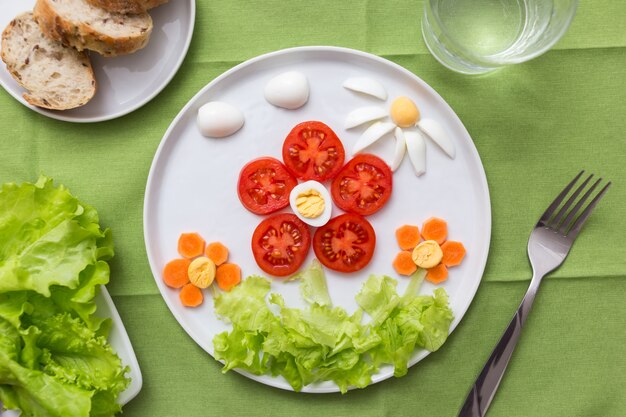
(191, 296)
(435, 229)
(190, 245)
(217, 252)
(453, 253)
(408, 236)
(403, 263)
(175, 273)
(437, 274)
(227, 276)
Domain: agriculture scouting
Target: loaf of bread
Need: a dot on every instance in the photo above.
(127, 6)
(56, 77)
(81, 25)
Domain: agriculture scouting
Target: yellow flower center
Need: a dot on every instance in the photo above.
(310, 204)
(404, 112)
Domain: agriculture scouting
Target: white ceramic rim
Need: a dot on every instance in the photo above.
(482, 178)
(135, 371)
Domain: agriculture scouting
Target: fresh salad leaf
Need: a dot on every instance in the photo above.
(325, 343)
(54, 356)
(313, 285)
(378, 297)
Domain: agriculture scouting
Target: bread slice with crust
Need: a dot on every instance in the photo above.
(127, 6)
(56, 77)
(79, 24)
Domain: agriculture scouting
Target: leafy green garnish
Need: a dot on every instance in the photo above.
(313, 285)
(54, 357)
(325, 343)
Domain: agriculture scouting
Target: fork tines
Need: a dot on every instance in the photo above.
(566, 220)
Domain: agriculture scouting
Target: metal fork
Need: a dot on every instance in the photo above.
(548, 246)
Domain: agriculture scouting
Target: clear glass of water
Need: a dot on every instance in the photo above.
(478, 36)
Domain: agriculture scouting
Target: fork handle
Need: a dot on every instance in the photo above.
(486, 385)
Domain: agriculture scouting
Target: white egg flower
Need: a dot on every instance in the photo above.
(406, 123)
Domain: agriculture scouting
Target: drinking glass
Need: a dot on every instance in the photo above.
(478, 36)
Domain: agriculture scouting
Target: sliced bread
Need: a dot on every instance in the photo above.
(127, 6)
(56, 77)
(79, 24)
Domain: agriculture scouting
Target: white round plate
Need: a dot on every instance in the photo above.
(192, 184)
(127, 82)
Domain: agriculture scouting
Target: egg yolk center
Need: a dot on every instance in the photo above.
(404, 112)
(310, 204)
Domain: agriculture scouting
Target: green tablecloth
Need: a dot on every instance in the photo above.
(535, 125)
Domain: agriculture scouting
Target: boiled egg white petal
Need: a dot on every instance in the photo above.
(437, 134)
(367, 86)
(416, 148)
(289, 90)
(217, 119)
(399, 149)
(363, 115)
(304, 189)
(372, 134)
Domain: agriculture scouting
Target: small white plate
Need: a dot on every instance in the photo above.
(118, 338)
(127, 82)
(192, 184)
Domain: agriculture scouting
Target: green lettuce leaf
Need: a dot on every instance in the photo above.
(378, 297)
(33, 391)
(325, 343)
(54, 357)
(313, 285)
(47, 237)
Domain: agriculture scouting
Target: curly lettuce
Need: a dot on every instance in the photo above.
(325, 343)
(54, 357)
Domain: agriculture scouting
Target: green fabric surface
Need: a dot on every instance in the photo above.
(535, 125)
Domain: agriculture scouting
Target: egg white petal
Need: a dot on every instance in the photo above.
(399, 150)
(416, 147)
(363, 115)
(367, 86)
(435, 131)
(322, 219)
(371, 135)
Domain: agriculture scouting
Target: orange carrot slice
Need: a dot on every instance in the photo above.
(217, 252)
(408, 236)
(435, 229)
(175, 273)
(191, 296)
(403, 263)
(437, 274)
(227, 276)
(190, 245)
(453, 253)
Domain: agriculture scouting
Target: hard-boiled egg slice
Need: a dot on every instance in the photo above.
(437, 133)
(399, 150)
(372, 134)
(367, 86)
(289, 90)
(311, 202)
(217, 119)
(416, 148)
(363, 115)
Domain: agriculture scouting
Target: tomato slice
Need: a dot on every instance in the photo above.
(345, 244)
(312, 151)
(264, 185)
(363, 186)
(280, 244)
